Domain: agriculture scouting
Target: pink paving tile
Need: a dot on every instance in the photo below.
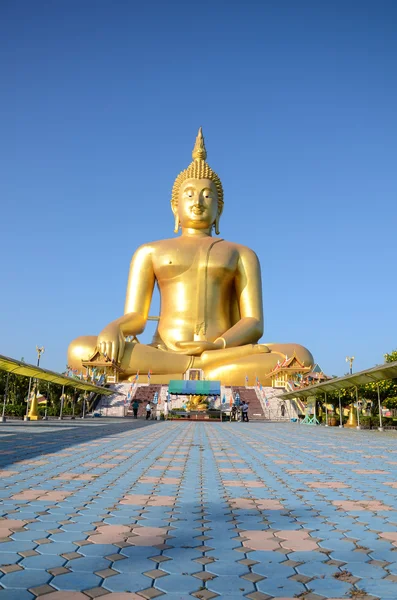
(269, 504)
(170, 480)
(227, 470)
(392, 484)
(390, 535)
(4, 474)
(303, 471)
(254, 484)
(287, 462)
(330, 485)
(105, 529)
(260, 540)
(297, 540)
(232, 482)
(162, 501)
(37, 463)
(344, 462)
(100, 465)
(369, 471)
(361, 505)
(123, 596)
(145, 540)
(138, 499)
(8, 526)
(150, 531)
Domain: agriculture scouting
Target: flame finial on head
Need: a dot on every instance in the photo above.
(199, 151)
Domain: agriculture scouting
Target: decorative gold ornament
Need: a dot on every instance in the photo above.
(352, 420)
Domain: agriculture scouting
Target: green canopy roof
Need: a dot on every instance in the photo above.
(20, 368)
(194, 387)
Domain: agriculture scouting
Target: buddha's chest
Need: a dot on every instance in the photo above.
(188, 262)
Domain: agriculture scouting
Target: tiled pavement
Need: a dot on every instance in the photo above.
(200, 510)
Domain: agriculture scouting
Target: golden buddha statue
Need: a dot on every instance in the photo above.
(211, 315)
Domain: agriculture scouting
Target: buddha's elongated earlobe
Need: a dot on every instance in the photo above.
(217, 224)
(177, 223)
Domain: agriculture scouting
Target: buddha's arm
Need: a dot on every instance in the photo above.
(139, 294)
(248, 286)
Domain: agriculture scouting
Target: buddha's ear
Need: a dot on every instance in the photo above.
(174, 208)
(218, 216)
(216, 224)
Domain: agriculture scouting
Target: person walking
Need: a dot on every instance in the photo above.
(148, 411)
(233, 413)
(244, 410)
(135, 406)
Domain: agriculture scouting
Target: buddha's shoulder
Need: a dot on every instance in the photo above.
(240, 249)
(156, 246)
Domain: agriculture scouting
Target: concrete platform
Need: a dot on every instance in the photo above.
(133, 509)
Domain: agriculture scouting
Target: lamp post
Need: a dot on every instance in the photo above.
(350, 360)
(40, 351)
(33, 412)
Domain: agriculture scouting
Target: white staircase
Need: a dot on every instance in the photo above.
(275, 409)
(116, 404)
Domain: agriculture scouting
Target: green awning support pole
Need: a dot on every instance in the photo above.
(340, 413)
(358, 410)
(380, 409)
(26, 418)
(62, 398)
(3, 416)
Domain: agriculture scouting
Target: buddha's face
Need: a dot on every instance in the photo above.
(197, 203)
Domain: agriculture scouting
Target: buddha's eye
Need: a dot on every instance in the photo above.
(189, 193)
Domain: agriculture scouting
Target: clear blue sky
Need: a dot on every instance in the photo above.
(100, 104)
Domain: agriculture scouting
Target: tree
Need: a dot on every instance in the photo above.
(387, 388)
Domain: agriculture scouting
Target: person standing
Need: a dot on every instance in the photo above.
(148, 411)
(166, 410)
(135, 406)
(244, 410)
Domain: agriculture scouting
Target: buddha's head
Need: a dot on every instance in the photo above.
(197, 195)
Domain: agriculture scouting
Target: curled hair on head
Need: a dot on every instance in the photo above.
(198, 169)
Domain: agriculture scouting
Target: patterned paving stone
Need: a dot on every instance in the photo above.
(196, 510)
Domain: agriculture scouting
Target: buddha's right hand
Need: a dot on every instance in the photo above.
(111, 342)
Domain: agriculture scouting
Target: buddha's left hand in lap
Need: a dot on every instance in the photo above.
(197, 348)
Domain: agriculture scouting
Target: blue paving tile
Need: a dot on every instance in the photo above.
(383, 589)
(96, 549)
(15, 594)
(28, 578)
(127, 582)
(41, 561)
(89, 564)
(330, 585)
(178, 583)
(78, 581)
(9, 558)
(230, 584)
(56, 548)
